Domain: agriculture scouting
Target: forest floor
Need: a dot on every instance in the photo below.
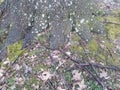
(76, 66)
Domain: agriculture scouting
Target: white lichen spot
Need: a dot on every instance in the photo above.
(87, 21)
(91, 28)
(33, 32)
(79, 33)
(98, 30)
(25, 14)
(43, 23)
(55, 0)
(86, 40)
(82, 20)
(36, 7)
(30, 15)
(29, 24)
(76, 30)
(37, 4)
(43, 15)
(20, 4)
(50, 6)
(91, 19)
(70, 3)
(36, 32)
(45, 1)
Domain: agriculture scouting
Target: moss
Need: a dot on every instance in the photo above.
(33, 79)
(14, 50)
(39, 67)
(93, 46)
(113, 29)
(101, 58)
(113, 60)
(108, 44)
(68, 77)
(75, 47)
(34, 52)
(42, 38)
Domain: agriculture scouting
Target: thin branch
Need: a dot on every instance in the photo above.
(106, 22)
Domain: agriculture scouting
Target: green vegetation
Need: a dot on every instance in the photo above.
(14, 51)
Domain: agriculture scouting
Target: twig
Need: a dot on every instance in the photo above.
(111, 23)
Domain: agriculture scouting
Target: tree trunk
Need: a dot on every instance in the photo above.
(23, 17)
